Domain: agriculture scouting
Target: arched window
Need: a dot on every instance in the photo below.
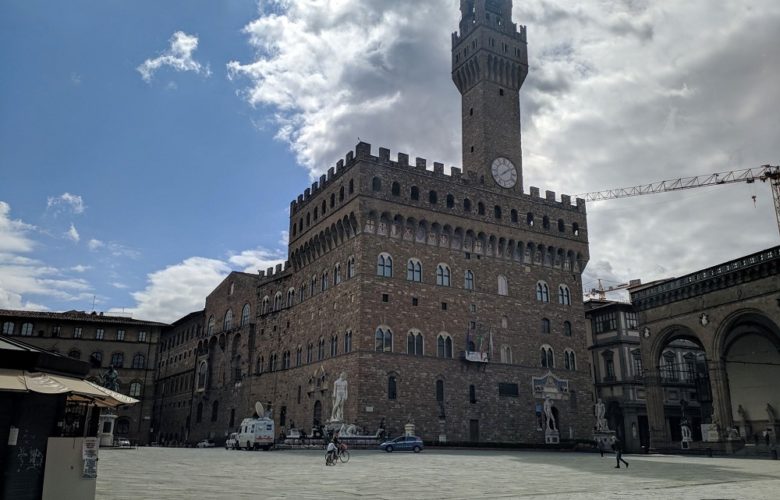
(561, 226)
(546, 222)
(506, 354)
(309, 353)
(139, 361)
(214, 411)
(332, 200)
(444, 346)
(497, 212)
(564, 296)
(259, 365)
(278, 301)
(466, 205)
(341, 193)
(334, 346)
(27, 330)
(348, 341)
(443, 275)
(325, 282)
(264, 307)
(414, 343)
(481, 208)
(529, 219)
(337, 273)
(324, 207)
(351, 186)
(542, 292)
(392, 389)
(384, 265)
(227, 323)
(396, 189)
(135, 389)
(575, 228)
(440, 397)
(245, 315)
(468, 283)
(450, 201)
(210, 328)
(376, 184)
(414, 193)
(513, 215)
(566, 329)
(285, 360)
(351, 267)
(414, 270)
(547, 357)
(569, 362)
(545, 325)
(383, 340)
(321, 349)
(433, 198)
(118, 360)
(504, 322)
(290, 297)
(203, 373)
(8, 328)
(299, 356)
(503, 285)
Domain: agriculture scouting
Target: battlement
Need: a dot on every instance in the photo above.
(274, 273)
(363, 153)
(518, 33)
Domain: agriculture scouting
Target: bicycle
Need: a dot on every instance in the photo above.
(342, 454)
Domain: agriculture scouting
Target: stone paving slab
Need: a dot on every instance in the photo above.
(177, 474)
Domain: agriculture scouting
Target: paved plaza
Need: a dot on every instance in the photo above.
(172, 473)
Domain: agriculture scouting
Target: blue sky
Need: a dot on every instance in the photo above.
(148, 148)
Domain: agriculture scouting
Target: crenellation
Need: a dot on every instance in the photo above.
(455, 173)
(581, 205)
(300, 198)
(363, 150)
(322, 181)
(384, 155)
(534, 192)
(549, 195)
(307, 193)
(566, 200)
(438, 168)
(403, 160)
(278, 269)
(420, 163)
(350, 157)
(340, 166)
(269, 272)
(331, 174)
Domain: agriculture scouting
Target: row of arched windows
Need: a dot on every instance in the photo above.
(317, 284)
(543, 293)
(117, 359)
(314, 353)
(322, 208)
(468, 207)
(227, 320)
(547, 358)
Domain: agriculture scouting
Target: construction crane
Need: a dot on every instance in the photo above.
(765, 173)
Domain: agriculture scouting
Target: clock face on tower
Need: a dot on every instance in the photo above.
(504, 172)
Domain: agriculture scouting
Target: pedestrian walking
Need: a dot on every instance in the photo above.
(617, 446)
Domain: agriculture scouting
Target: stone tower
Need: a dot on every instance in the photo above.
(489, 65)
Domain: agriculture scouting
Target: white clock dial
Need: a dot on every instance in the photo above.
(504, 172)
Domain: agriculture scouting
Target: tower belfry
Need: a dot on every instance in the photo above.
(489, 65)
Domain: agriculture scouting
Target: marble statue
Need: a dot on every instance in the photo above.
(548, 415)
(340, 395)
(686, 430)
(600, 411)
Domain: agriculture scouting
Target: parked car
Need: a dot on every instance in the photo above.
(205, 444)
(231, 443)
(122, 443)
(403, 443)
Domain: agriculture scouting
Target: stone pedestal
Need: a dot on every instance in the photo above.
(552, 436)
(604, 439)
(409, 430)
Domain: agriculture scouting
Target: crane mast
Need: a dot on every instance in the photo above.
(765, 173)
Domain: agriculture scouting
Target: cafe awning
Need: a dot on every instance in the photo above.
(46, 383)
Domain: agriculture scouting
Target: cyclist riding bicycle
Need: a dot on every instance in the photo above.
(330, 454)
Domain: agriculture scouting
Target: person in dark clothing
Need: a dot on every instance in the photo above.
(617, 446)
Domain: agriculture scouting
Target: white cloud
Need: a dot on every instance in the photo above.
(118, 285)
(178, 56)
(72, 233)
(618, 93)
(284, 239)
(66, 202)
(259, 259)
(178, 289)
(13, 233)
(80, 268)
(113, 248)
(94, 244)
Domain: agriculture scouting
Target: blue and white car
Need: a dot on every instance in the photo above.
(403, 443)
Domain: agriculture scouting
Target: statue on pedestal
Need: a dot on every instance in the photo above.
(601, 422)
(111, 379)
(549, 421)
(340, 395)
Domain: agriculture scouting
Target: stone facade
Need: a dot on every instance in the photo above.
(101, 340)
(730, 311)
(175, 380)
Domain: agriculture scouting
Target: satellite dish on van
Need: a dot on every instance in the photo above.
(259, 409)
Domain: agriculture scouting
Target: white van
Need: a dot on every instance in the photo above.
(256, 433)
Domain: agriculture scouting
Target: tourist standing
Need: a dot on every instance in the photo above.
(617, 445)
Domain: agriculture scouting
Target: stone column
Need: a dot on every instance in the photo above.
(721, 399)
(654, 392)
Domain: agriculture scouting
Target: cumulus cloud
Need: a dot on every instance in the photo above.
(66, 202)
(178, 56)
(619, 93)
(178, 289)
(22, 276)
(95, 244)
(72, 234)
(80, 268)
(259, 259)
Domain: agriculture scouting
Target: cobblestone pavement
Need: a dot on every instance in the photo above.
(171, 473)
